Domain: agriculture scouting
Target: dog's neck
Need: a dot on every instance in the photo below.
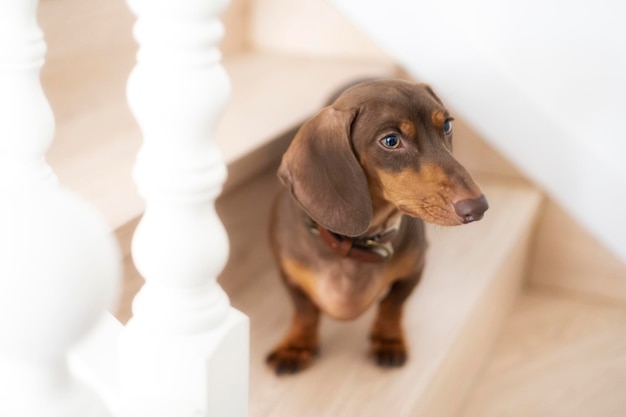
(384, 220)
(373, 246)
(385, 217)
(369, 249)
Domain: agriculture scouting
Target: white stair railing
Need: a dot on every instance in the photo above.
(59, 263)
(185, 351)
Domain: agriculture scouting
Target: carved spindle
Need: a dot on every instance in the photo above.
(185, 351)
(26, 120)
(59, 264)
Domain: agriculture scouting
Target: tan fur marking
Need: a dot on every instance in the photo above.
(407, 128)
(300, 275)
(427, 193)
(302, 333)
(400, 267)
(438, 119)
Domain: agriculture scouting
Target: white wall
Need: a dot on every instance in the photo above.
(542, 80)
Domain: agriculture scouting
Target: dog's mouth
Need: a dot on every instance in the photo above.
(441, 216)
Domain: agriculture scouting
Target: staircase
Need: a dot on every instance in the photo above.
(282, 68)
(473, 274)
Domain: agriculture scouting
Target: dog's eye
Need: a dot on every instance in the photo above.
(390, 141)
(447, 126)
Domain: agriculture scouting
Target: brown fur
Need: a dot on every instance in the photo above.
(340, 176)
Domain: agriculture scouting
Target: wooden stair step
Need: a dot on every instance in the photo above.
(558, 354)
(473, 274)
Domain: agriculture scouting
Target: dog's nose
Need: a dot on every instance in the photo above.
(471, 209)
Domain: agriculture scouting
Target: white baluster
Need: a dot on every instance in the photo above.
(59, 264)
(185, 351)
(26, 121)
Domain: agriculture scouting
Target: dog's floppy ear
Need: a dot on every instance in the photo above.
(324, 176)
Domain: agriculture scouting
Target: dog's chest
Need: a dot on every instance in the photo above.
(345, 292)
(342, 289)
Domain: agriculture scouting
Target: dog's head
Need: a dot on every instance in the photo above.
(386, 140)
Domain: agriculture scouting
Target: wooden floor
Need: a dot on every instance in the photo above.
(556, 356)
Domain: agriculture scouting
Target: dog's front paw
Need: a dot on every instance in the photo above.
(388, 352)
(290, 359)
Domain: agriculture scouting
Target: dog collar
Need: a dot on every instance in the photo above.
(372, 249)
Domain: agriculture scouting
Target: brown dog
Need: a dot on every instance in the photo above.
(363, 175)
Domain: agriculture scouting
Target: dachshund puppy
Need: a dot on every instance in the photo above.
(361, 178)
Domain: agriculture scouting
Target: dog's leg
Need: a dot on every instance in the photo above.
(300, 345)
(387, 345)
